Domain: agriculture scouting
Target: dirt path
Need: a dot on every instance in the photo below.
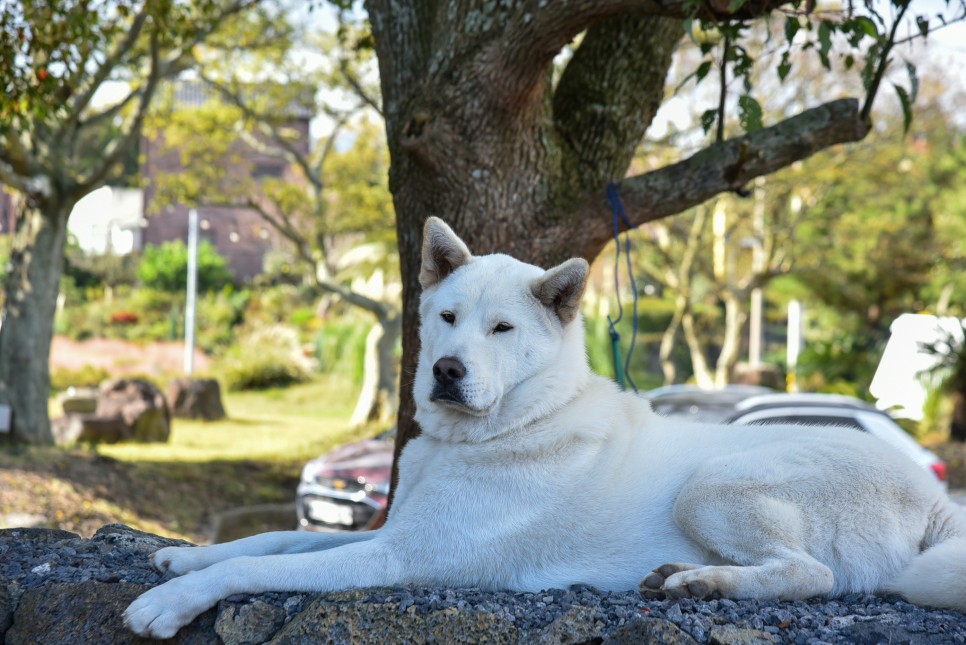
(122, 357)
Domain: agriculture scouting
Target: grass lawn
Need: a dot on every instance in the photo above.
(174, 488)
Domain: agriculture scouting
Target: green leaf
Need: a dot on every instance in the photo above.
(849, 61)
(791, 27)
(708, 117)
(867, 26)
(734, 5)
(703, 70)
(749, 113)
(784, 67)
(825, 42)
(906, 106)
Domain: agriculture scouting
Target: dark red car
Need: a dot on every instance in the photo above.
(345, 489)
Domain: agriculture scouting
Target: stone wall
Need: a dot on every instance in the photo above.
(58, 588)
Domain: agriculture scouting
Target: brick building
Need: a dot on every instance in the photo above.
(240, 234)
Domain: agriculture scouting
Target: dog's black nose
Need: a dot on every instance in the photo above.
(448, 370)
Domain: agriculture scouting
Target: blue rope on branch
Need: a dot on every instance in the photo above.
(622, 369)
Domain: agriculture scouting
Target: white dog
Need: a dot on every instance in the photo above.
(533, 473)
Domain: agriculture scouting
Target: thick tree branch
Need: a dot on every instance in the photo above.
(541, 29)
(15, 158)
(610, 91)
(724, 166)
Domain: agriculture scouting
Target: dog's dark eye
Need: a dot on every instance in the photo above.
(502, 327)
(448, 316)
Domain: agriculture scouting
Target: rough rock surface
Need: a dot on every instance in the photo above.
(127, 410)
(196, 399)
(58, 588)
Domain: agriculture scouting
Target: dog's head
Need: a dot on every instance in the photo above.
(501, 340)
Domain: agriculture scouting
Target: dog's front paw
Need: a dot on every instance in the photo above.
(159, 612)
(177, 559)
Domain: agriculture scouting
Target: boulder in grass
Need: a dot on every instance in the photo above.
(138, 409)
(196, 399)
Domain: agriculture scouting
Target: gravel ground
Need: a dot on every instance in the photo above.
(119, 554)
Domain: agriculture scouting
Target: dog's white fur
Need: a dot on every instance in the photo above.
(533, 473)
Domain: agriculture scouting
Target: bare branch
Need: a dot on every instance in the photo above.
(120, 146)
(111, 111)
(357, 87)
(81, 101)
(285, 147)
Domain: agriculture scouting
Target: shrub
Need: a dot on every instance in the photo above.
(62, 378)
(165, 267)
(340, 348)
(267, 357)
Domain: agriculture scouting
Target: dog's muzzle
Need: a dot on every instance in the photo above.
(449, 373)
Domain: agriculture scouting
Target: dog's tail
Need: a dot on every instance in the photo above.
(937, 576)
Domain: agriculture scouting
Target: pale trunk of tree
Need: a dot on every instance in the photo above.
(703, 375)
(667, 339)
(28, 320)
(735, 323)
(379, 397)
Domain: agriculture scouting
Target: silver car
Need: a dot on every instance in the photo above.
(835, 410)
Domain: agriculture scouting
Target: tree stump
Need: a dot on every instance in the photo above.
(196, 399)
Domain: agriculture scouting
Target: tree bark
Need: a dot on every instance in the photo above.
(957, 424)
(479, 135)
(28, 319)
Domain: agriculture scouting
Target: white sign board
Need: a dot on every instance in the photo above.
(898, 381)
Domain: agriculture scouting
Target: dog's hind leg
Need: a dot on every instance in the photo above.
(758, 535)
(181, 559)
(786, 578)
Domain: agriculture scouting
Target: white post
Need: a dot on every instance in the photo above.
(757, 313)
(189, 310)
(794, 347)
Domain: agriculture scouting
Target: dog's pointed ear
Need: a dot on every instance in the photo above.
(562, 287)
(443, 252)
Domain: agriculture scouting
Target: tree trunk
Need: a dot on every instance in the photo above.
(735, 322)
(703, 375)
(27, 327)
(668, 368)
(379, 397)
(957, 424)
(481, 136)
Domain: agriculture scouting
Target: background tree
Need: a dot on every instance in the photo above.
(715, 256)
(334, 198)
(55, 57)
(482, 134)
(887, 242)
